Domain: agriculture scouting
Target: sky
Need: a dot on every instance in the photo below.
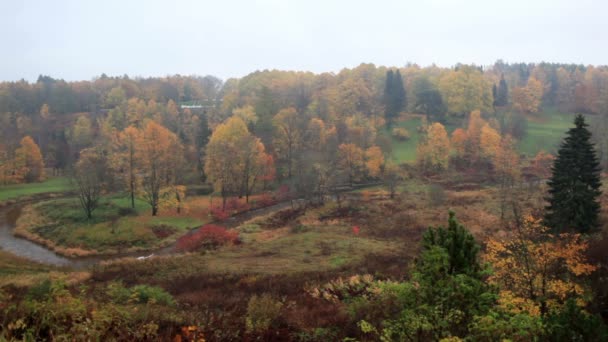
(81, 39)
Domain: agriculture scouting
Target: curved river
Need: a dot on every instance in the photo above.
(30, 250)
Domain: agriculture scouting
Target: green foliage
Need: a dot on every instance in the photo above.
(575, 184)
(144, 294)
(500, 326)
(262, 312)
(394, 96)
(573, 323)
(458, 242)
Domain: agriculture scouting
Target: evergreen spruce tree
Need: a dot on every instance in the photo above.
(400, 100)
(575, 184)
(388, 98)
(502, 93)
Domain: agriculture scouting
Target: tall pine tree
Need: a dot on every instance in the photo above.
(388, 98)
(394, 96)
(575, 184)
(502, 93)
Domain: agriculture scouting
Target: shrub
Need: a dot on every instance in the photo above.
(262, 312)
(401, 134)
(219, 214)
(266, 200)
(126, 212)
(118, 293)
(209, 236)
(144, 294)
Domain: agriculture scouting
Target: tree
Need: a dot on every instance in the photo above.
(465, 90)
(126, 158)
(391, 177)
(447, 289)
(374, 161)
(429, 100)
(202, 138)
(156, 151)
(538, 271)
(288, 138)
(575, 184)
(255, 164)
(502, 93)
(432, 153)
(91, 178)
(528, 99)
(235, 159)
(394, 96)
(29, 165)
(351, 160)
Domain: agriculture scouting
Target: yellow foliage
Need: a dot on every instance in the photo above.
(375, 160)
(529, 267)
(433, 152)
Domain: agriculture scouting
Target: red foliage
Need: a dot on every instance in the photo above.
(266, 199)
(356, 230)
(219, 215)
(208, 236)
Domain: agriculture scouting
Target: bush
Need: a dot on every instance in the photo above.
(401, 134)
(209, 236)
(144, 294)
(262, 312)
(118, 293)
(126, 212)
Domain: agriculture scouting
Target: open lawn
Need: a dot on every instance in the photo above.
(545, 132)
(51, 185)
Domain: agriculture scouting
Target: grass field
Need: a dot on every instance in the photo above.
(51, 185)
(115, 227)
(545, 132)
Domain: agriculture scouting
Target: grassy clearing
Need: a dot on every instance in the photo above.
(61, 225)
(20, 272)
(51, 185)
(405, 151)
(545, 132)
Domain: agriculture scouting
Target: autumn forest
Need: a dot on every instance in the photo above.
(376, 203)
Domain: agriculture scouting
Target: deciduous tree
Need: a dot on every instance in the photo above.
(28, 164)
(156, 151)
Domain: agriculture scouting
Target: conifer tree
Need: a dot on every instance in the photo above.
(575, 184)
(388, 97)
(502, 93)
(394, 96)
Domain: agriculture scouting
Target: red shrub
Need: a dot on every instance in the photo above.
(208, 236)
(356, 230)
(266, 200)
(219, 214)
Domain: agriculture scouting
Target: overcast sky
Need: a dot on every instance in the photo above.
(80, 39)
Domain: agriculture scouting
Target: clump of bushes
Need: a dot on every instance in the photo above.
(209, 236)
(401, 134)
(139, 294)
(262, 312)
